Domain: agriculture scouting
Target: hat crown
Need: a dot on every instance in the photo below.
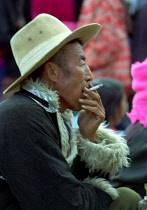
(42, 28)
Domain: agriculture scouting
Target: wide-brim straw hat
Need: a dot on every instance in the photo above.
(40, 39)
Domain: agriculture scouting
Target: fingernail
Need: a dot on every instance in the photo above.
(83, 106)
(85, 94)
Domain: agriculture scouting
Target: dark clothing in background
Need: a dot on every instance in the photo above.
(139, 45)
(77, 8)
(10, 12)
(135, 176)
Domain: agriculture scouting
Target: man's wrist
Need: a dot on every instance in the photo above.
(92, 139)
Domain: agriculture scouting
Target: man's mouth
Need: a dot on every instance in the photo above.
(83, 93)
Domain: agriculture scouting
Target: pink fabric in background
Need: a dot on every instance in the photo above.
(62, 9)
(139, 84)
(108, 53)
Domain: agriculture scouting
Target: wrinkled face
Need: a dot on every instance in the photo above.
(78, 75)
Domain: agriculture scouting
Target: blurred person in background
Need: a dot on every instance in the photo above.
(108, 55)
(135, 176)
(14, 14)
(114, 100)
(137, 12)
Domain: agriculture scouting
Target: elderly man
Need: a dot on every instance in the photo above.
(43, 163)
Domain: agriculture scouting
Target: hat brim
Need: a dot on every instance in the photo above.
(83, 34)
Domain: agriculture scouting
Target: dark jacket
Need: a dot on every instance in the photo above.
(135, 176)
(34, 173)
(41, 162)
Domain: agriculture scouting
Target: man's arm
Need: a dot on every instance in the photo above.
(35, 169)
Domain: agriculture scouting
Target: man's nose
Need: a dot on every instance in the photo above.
(89, 76)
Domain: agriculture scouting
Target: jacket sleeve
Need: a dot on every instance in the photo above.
(135, 176)
(34, 167)
(108, 154)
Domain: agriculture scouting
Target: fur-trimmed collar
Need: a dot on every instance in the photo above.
(38, 88)
(41, 90)
(108, 153)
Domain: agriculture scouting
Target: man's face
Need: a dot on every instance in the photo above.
(73, 78)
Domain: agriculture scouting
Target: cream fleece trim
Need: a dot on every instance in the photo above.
(68, 116)
(41, 86)
(108, 153)
(68, 146)
(64, 136)
(103, 185)
(73, 150)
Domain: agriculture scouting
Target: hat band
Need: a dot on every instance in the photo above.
(39, 52)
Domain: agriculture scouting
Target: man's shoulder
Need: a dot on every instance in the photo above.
(18, 102)
(22, 107)
(23, 114)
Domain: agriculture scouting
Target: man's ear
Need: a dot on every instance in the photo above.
(51, 71)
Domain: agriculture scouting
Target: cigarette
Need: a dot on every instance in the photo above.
(96, 87)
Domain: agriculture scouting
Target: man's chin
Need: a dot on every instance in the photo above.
(77, 108)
